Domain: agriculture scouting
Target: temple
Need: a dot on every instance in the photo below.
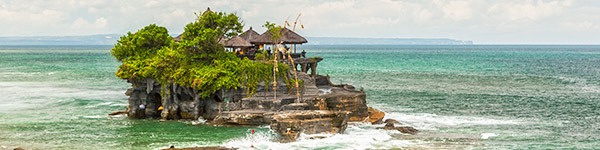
(315, 106)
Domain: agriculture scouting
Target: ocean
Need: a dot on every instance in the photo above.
(459, 97)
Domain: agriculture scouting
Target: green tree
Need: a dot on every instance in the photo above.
(142, 44)
(138, 49)
(203, 35)
(198, 61)
(275, 32)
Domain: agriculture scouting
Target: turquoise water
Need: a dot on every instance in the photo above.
(460, 97)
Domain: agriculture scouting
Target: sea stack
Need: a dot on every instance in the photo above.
(197, 76)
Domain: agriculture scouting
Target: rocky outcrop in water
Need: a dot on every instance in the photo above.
(391, 125)
(375, 116)
(292, 122)
(322, 108)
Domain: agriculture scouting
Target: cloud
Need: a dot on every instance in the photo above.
(529, 10)
(484, 21)
(582, 26)
(82, 24)
(457, 10)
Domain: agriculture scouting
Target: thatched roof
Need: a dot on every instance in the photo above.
(288, 37)
(249, 35)
(178, 38)
(237, 42)
(223, 40)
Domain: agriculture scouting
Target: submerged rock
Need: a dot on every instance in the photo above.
(392, 121)
(117, 113)
(317, 137)
(403, 129)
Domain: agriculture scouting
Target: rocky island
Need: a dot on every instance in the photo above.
(211, 72)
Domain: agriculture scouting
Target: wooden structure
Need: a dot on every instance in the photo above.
(287, 37)
(249, 34)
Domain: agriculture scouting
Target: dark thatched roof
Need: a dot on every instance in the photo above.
(178, 38)
(249, 35)
(288, 37)
(237, 42)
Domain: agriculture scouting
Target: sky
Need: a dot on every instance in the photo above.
(480, 21)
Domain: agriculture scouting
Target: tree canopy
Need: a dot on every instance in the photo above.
(198, 61)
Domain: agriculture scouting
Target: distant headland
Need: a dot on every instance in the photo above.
(110, 39)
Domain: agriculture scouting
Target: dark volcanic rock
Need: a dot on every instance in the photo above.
(146, 96)
(403, 129)
(317, 137)
(144, 99)
(392, 121)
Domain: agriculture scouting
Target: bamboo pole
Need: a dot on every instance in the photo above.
(275, 70)
(294, 65)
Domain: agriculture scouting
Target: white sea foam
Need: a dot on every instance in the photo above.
(20, 73)
(487, 135)
(433, 121)
(17, 95)
(199, 121)
(93, 117)
(119, 104)
(359, 136)
(100, 104)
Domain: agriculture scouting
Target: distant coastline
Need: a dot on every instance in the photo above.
(110, 39)
(384, 41)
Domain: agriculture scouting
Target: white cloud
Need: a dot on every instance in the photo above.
(529, 10)
(582, 26)
(484, 21)
(457, 10)
(82, 24)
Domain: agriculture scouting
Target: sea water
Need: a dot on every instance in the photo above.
(459, 97)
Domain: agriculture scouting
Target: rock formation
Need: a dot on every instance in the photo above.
(375, 116)
(322, 108)
(390, 125)
(292, 122)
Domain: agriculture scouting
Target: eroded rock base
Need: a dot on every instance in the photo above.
(290, 123)
(322, 107)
